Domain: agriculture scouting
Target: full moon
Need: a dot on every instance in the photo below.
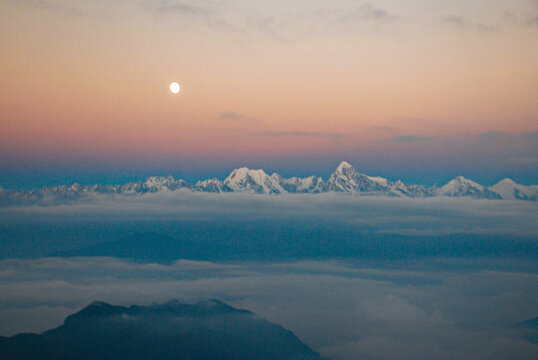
(174, 87)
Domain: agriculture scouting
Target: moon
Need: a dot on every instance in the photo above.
(174, 87)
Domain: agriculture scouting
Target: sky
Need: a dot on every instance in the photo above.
(416, 90)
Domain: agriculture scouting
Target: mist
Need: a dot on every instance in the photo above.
(342, 309)
(354, 277)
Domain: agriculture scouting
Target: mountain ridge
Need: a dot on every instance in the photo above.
(173, 330)
(345, 179)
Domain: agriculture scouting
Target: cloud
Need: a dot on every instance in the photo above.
(172, 6)
(500, 136)
(371, 214)
(229, 115)
(462, 23)
(345, 310)
(385, 129)
(312, 134)
(227, 17)
(99, 9)
(404, 139)
(367, 12)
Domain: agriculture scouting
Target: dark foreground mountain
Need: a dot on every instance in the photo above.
(207, 330)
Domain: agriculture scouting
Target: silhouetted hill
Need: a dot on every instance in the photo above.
(207, 330)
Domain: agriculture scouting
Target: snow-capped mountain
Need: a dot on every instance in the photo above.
(159, 183)
(259, 182)
(211, 185)
(254, 181)
(461, 186)
(510, 190)
(345, 179)
(311, 184)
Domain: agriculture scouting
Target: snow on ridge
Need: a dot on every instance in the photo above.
(461, 186)
(508, 189)
(345, 179)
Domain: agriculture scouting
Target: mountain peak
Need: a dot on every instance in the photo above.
(507, 181)
(173, 331)
(245, 171)
(98, 303)
(344, 165)
(462, 179)
(461, 186)
(509, 189)
(256, 181)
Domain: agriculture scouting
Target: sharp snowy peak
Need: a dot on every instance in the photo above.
(510, 190)
(254, 181)
(461, 186)
(347, 179)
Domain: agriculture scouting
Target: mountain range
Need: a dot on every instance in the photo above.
(202, 331)
(345, 179)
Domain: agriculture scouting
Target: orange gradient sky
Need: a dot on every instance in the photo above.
(90, 78)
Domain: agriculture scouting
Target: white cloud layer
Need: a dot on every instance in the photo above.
(440, 215)
(344, 310)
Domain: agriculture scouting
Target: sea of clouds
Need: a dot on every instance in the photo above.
(432, 307)
(342, 309)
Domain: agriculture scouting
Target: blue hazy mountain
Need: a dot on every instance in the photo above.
(529, 329)
(207, 330)
(285, 241)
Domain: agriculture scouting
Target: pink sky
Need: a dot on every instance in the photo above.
(90, 79)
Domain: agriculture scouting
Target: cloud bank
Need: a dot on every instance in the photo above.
(439, 215)
(344, 310)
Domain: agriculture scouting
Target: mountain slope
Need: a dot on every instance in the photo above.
(510, 190)
(253, 181)
(347, 179)
(170, 331)
(461, 186)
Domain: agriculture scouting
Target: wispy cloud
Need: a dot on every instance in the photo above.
(218, 17)
(533, 21)
(385, 129)
(501, 136)
(403, 139)
(312, 134)
(351, 17)
(462, 23)
(230, 115)
(171, 6)
(368, 11)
